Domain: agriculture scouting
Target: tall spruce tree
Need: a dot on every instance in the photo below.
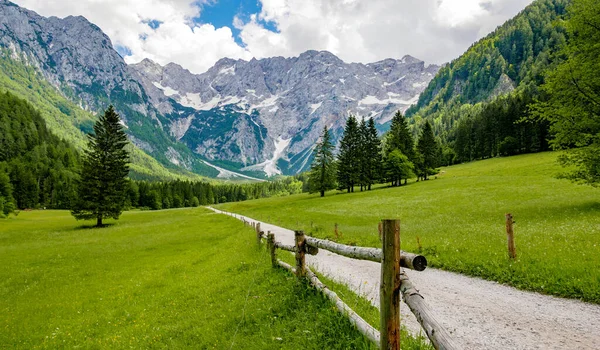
(348, 168)
(363, 158)
(401, 137)
(372, 154)
(103, 184)
(322, 171)
(427, 147)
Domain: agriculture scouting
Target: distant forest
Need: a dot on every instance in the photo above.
(40, 170)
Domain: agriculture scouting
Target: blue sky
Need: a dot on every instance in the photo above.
(222, 13)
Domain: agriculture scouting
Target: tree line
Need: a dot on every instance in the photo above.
(364, 159)
(181, 193)
(501, 127)
(41, 170)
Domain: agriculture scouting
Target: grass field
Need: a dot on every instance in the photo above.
(167, 279)
(459, 221)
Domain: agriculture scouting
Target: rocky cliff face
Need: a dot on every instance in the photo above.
(259, 115)
(281, 102)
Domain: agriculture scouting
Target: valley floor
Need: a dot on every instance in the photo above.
(176, 279)
(479, 314)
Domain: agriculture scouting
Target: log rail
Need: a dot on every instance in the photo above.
(395, 285)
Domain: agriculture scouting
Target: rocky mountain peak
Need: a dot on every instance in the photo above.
(261, 115)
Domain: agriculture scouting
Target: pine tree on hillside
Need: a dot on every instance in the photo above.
(348, 169)
(401, 137)
(103, 184)
(427, 147)
(372, 154)
(322, 171)
(363, 157)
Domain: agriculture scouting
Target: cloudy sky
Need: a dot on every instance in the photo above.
(196, 33)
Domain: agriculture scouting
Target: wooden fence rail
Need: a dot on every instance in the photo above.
(395, 284)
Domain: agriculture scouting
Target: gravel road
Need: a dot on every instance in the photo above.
(479, 314)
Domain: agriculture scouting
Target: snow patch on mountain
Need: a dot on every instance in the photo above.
(270, 166)
(315, 106)
(392, 99)
(228, 174)
(166, 90)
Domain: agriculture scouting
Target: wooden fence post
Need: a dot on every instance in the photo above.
(380, 228)
(258, 235)
(389, 293)
(300, 252)
(512, 253)
(272, 250)
(336, 231)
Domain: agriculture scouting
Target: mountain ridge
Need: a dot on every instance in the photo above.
(237, 115)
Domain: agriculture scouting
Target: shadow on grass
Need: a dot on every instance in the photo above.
(562, 209)
(92, 227)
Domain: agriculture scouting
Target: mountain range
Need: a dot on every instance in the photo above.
(245, 119)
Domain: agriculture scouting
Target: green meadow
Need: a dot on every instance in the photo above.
(169, 279)
(457, 221)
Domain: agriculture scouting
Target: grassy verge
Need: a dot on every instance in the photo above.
(457, 221)
(167, 279)
(364, 308)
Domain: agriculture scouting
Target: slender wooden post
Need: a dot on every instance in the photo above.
(300, 252)
(389, 293)
(336, 231)
(380, 228)
(512, 253)
(272, 250)
(258, 235)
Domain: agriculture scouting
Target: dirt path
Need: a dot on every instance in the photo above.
(479, 314)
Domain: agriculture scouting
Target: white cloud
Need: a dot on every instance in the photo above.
(364, 31)
(356, 30)
(177, 39)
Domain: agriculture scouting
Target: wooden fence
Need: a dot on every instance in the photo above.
(394, 286)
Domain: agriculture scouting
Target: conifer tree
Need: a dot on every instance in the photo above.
(427, 147)
(372, 154)
(401, 137)
(348, 168)
(103, 183)
(322, 171)
(363, 155)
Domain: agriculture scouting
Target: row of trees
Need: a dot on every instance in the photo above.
(179, 193)
(364, 159)
(498, 128)
(39, 170)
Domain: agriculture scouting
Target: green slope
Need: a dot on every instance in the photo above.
(67, 120)
(515, 55)
(155, 281)
(458, 219)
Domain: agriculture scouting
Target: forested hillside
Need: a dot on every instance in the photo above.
(479, 103)
(516, 54)
(36, 167)
(67, 120)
